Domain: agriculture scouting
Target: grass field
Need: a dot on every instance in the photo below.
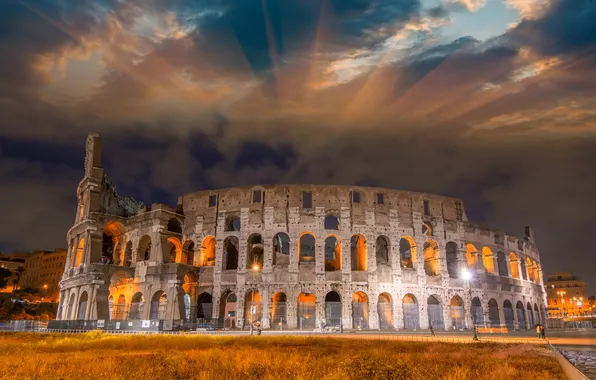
(100, 356)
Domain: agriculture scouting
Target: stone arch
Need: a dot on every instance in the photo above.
(111, 242)
(278, 310)
(358, 253)
(331, 223)
(254, 251)
(79, 253)
(488, 260)
(82, 310)
(530, 269)
(359, 310)
(435, 312)
(71, 308)
(457, 312)
(508, 314)
(431, 258)
(382, 249)
(513, 265)
(190, 287)
(471, 256)
(188, 252)
(174, 226)
(127, 261)
(333, 308)
(205, 307)
(281, 249)
(230, 258)
(535, 267)
(306, 248)
(411, 312)
(227, 309)
(332, 254)
(452, 261)
(119, 313)
(477, 311)
(407, 252)
(174, 250)
(306, 310)
(502, 264)
(521, 316)
(232, 223)
(253, 312)
(159, 302)
(385, 311)
(136, 306)
(207, 255)
(144, 249)
(493, 313)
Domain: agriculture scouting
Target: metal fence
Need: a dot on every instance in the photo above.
(23, 325)
(333, 313)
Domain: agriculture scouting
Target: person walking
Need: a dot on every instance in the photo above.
(543, 332)
(538, 331)
(432, 331)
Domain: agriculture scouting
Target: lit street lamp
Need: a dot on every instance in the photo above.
(254, 268)
(467, 276)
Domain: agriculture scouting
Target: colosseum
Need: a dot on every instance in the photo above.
(291, 256)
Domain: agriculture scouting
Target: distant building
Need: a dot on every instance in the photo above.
(566, 295)
(43, 271)
(13, 265)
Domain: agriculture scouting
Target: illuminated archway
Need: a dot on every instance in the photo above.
(358, 253)
(278, 310)
(431, 258)
(207, 254)
(457, 312)
(359, 310)
(306, 310)
(513, 265)
(385, 311)
(488, 260)
(252, 307)
(407, 252)
(411, 312)
(435, 312)
(471, 256)
(332, 254)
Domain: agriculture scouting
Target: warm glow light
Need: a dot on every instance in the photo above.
(255, 267)
(466, 274)
(45, 286)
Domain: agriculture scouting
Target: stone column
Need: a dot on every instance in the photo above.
(267, 253)
(447, 316)
(398, 315)
(265, 307)
(422, 312)
(373, 313)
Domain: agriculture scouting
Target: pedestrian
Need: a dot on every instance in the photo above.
(538, 331)
(543, 332)
(432, 331)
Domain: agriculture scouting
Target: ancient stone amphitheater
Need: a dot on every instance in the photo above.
(293, 256)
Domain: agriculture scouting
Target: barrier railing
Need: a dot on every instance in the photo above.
(570, 370)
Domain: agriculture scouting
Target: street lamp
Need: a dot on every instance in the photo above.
(467, 276)
(255, 268)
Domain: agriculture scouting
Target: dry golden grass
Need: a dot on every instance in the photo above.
(100, 356)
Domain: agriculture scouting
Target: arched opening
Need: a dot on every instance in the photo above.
(530, 315)
(385, 311)
(331, 223)
(530, 269)
(78, 258)
(159, 302)
(471, 256)
(411, 312)
(144, 249)
(71, 308)
(332, 309)
(522, 267)
(513, 265)
(488, 260)
(119, 313)
(230, 259)
(82, 306)
(127, 255)
(407, 252)
(431, 258)
(232, 223)
(435, 313)
(359, 311)
(254, 251)
(306, 248)
(382, 251)
(110, 247)
(457, 313)
(207, 258)
(536, 277)
(205, 307)
(521, 316)
(477, 312)
(136, 307)
(502, 264)
(278, 310)
(508, 314)
(536, 315)
(174, 226)
(174, 250)
(332, 254)
(358, 252)
(252, 307)
(452, 261)
(306, 310)
(281, 249)
(493, 313)
(227, 310)
(190, 287)
(188, 253)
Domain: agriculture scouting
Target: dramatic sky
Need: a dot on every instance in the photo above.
(492, 101)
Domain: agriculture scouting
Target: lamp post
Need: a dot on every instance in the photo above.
(467, 276)
(255, 268)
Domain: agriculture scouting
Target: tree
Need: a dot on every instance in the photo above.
(4, 275)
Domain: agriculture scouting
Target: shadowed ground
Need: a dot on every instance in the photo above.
(98, 356)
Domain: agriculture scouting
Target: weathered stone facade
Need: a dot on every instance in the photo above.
(393, 258)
